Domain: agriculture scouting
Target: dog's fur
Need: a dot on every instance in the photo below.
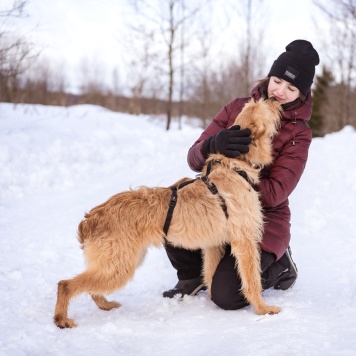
(116, 234)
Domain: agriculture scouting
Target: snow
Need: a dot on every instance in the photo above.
(57, 163)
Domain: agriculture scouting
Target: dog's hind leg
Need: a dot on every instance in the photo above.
(93, 282)
(212, 257)
(96, 283)
(246, 252)
(67, 289)
(103, 303)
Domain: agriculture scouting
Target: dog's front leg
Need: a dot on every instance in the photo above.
(212, 257)
(246, 253)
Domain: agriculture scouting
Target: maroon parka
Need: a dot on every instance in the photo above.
(290, 152)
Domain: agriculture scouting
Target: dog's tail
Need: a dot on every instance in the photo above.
(84, 229)
(81, 234)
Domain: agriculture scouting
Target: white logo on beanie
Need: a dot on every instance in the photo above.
(289, 74)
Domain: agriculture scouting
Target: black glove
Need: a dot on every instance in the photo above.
(230, 142)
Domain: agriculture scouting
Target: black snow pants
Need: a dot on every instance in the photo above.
(226, 284)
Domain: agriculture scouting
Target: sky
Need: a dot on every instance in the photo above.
(68, 32)
(57, 163)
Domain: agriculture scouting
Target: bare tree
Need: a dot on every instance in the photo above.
(213, 78)
(202, 90)
(16, 54)
(142, 65)
(44, 83)
(163, 20)
(92, 82)
(219, 79)
(341, 42)
(38, 83)
(251, 63)
(14, 10)
(113, 100)
(182, 68)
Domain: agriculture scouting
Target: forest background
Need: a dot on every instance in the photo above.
(178, 58)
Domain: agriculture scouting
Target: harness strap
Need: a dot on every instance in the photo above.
(243, 174)
(210, 186)
(210, 166)
(173, 203)
(214, 190)
(174, 198)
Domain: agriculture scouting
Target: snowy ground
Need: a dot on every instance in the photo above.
(56, 163)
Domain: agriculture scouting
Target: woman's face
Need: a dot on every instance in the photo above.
(282, 90)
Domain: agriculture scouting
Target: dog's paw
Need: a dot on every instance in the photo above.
(110, 305)
(63, 323)
(273, 309)
(104, 304)
(268, 309)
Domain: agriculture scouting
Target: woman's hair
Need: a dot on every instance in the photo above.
(263, 88)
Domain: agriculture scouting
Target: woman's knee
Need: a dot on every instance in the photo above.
(227, 296)
(226, 284)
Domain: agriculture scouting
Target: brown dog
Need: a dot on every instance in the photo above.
(115, 235)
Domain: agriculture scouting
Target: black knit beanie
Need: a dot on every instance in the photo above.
(297, 65)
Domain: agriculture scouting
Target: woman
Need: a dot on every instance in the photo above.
(289, 81)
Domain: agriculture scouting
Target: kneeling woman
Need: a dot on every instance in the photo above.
(289, 81)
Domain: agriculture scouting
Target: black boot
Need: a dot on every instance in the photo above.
(186, 287)
(288, 276)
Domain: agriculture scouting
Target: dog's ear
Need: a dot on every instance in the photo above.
(258, 130)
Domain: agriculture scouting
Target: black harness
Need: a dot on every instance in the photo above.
(210, 186)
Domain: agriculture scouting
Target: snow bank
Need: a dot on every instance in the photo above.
(56, 163)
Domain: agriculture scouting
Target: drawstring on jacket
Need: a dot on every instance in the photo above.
(295, 125)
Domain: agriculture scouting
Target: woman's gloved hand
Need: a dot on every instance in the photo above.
(230, 142)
